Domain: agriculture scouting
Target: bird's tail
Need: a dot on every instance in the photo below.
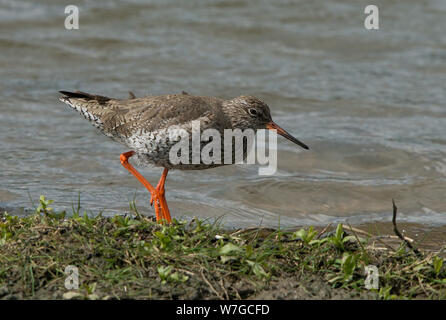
(84, 95)
(88, 105)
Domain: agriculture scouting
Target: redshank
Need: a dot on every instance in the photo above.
(142, 125)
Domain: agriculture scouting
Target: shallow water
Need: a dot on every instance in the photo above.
(369, 103)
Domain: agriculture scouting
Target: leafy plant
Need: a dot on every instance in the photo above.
(438, 264)
(348, 265)
(166, 275)
(306, 236)
(339, 240)
(44, 206)
(384, 293)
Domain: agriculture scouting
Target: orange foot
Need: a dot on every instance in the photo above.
(157, 195)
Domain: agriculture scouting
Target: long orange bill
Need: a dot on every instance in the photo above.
(273, 126)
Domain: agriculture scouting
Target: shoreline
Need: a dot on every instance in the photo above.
(125, 257)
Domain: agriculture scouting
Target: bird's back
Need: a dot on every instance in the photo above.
(122, 118)
(143, 123)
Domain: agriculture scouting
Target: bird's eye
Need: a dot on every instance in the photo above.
(252, 112)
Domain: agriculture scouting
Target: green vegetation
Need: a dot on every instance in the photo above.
(135, 257)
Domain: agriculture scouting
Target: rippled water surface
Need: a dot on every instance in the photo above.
(371, 105)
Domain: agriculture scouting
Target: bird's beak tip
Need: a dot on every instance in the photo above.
(273, 126)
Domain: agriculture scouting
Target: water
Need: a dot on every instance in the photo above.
(370, 104)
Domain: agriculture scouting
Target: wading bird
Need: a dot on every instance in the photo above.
(142, 124)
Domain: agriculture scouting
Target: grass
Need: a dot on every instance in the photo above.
(133, 257)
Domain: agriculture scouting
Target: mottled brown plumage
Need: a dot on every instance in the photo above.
(144, 125)
(121, 118)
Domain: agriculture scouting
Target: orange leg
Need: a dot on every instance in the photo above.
(125, 162)
(161, 193)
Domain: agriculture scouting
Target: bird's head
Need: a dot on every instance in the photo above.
(251, 112)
